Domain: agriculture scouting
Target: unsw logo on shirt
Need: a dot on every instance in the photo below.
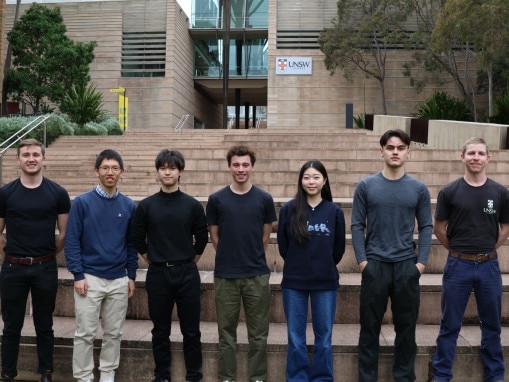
(490, 210)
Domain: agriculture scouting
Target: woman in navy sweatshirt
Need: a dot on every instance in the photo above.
(311, 240)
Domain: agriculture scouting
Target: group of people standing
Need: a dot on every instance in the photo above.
(103, 232)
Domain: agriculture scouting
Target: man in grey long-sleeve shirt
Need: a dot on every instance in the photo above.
(385, 208)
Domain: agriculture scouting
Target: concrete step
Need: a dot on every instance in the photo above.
(139, 179)
(349, 157)
(136, 362)
(348, 299)
(348, 264)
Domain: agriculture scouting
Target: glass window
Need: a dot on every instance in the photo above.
(258, 15)
(248, 58)
(206, 14)
(243, 14)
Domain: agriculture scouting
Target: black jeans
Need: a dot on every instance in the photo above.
(398, 281)
(16, 281)
(166, 286)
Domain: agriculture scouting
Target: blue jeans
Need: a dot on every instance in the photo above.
(323, 310)
(460, 277)
(16, 282)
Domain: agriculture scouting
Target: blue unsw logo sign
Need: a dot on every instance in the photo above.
(294, 65)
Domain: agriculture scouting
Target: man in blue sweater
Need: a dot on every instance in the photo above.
(170, 232)
(385, 208)
(103, 260)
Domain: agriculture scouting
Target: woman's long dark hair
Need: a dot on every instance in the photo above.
(299, 218)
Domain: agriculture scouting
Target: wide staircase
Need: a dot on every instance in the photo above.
(349, 155)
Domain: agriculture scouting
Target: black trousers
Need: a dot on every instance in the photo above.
(398, 281)
(167, 286)
(16, 282)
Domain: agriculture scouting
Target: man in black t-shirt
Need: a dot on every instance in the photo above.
(29, 208)
(472, 221)
(240, 218)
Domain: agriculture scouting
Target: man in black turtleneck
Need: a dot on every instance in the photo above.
(170, 233)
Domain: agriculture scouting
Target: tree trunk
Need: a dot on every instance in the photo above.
(384, 101)
(8, 58)
(490, 90)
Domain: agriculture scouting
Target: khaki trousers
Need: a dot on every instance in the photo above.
(106, 301)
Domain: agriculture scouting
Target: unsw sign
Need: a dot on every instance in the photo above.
(300, 66)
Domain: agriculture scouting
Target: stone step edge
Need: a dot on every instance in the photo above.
(429, 282)
(137, 335)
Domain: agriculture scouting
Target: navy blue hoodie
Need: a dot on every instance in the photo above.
(312, 266)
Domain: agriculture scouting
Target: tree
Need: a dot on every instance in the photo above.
(480, 26)
(46, 62)
(430, 67)
(361, 36)
(448, 56)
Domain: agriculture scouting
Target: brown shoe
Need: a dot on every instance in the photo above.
(46, 377)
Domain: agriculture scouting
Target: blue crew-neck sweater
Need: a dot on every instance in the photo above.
(98, 237)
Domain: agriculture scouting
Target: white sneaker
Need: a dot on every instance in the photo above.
(106, 380)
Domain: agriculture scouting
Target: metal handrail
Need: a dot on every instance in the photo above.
(25, 130)
(180, 125)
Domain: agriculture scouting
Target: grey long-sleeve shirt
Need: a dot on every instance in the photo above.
(384, 215)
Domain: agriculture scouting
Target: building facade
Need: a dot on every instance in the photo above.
(258, 58)
(3, 49)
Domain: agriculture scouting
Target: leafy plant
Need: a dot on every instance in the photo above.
(112, 126)
(443, 106)
(501, 110)
(83, 104)
(359, 121)
(57, 125)
(92, 128)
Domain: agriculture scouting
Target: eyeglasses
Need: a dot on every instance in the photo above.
(106, 169)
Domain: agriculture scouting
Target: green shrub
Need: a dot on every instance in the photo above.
(56, 125)
(83, 104)
(443, 106)
(10, 126)
(501, 110)
(91, 128)
(112, 126)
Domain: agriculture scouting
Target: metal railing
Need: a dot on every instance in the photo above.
(180, 125)
(23, 132)
(19, 135)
